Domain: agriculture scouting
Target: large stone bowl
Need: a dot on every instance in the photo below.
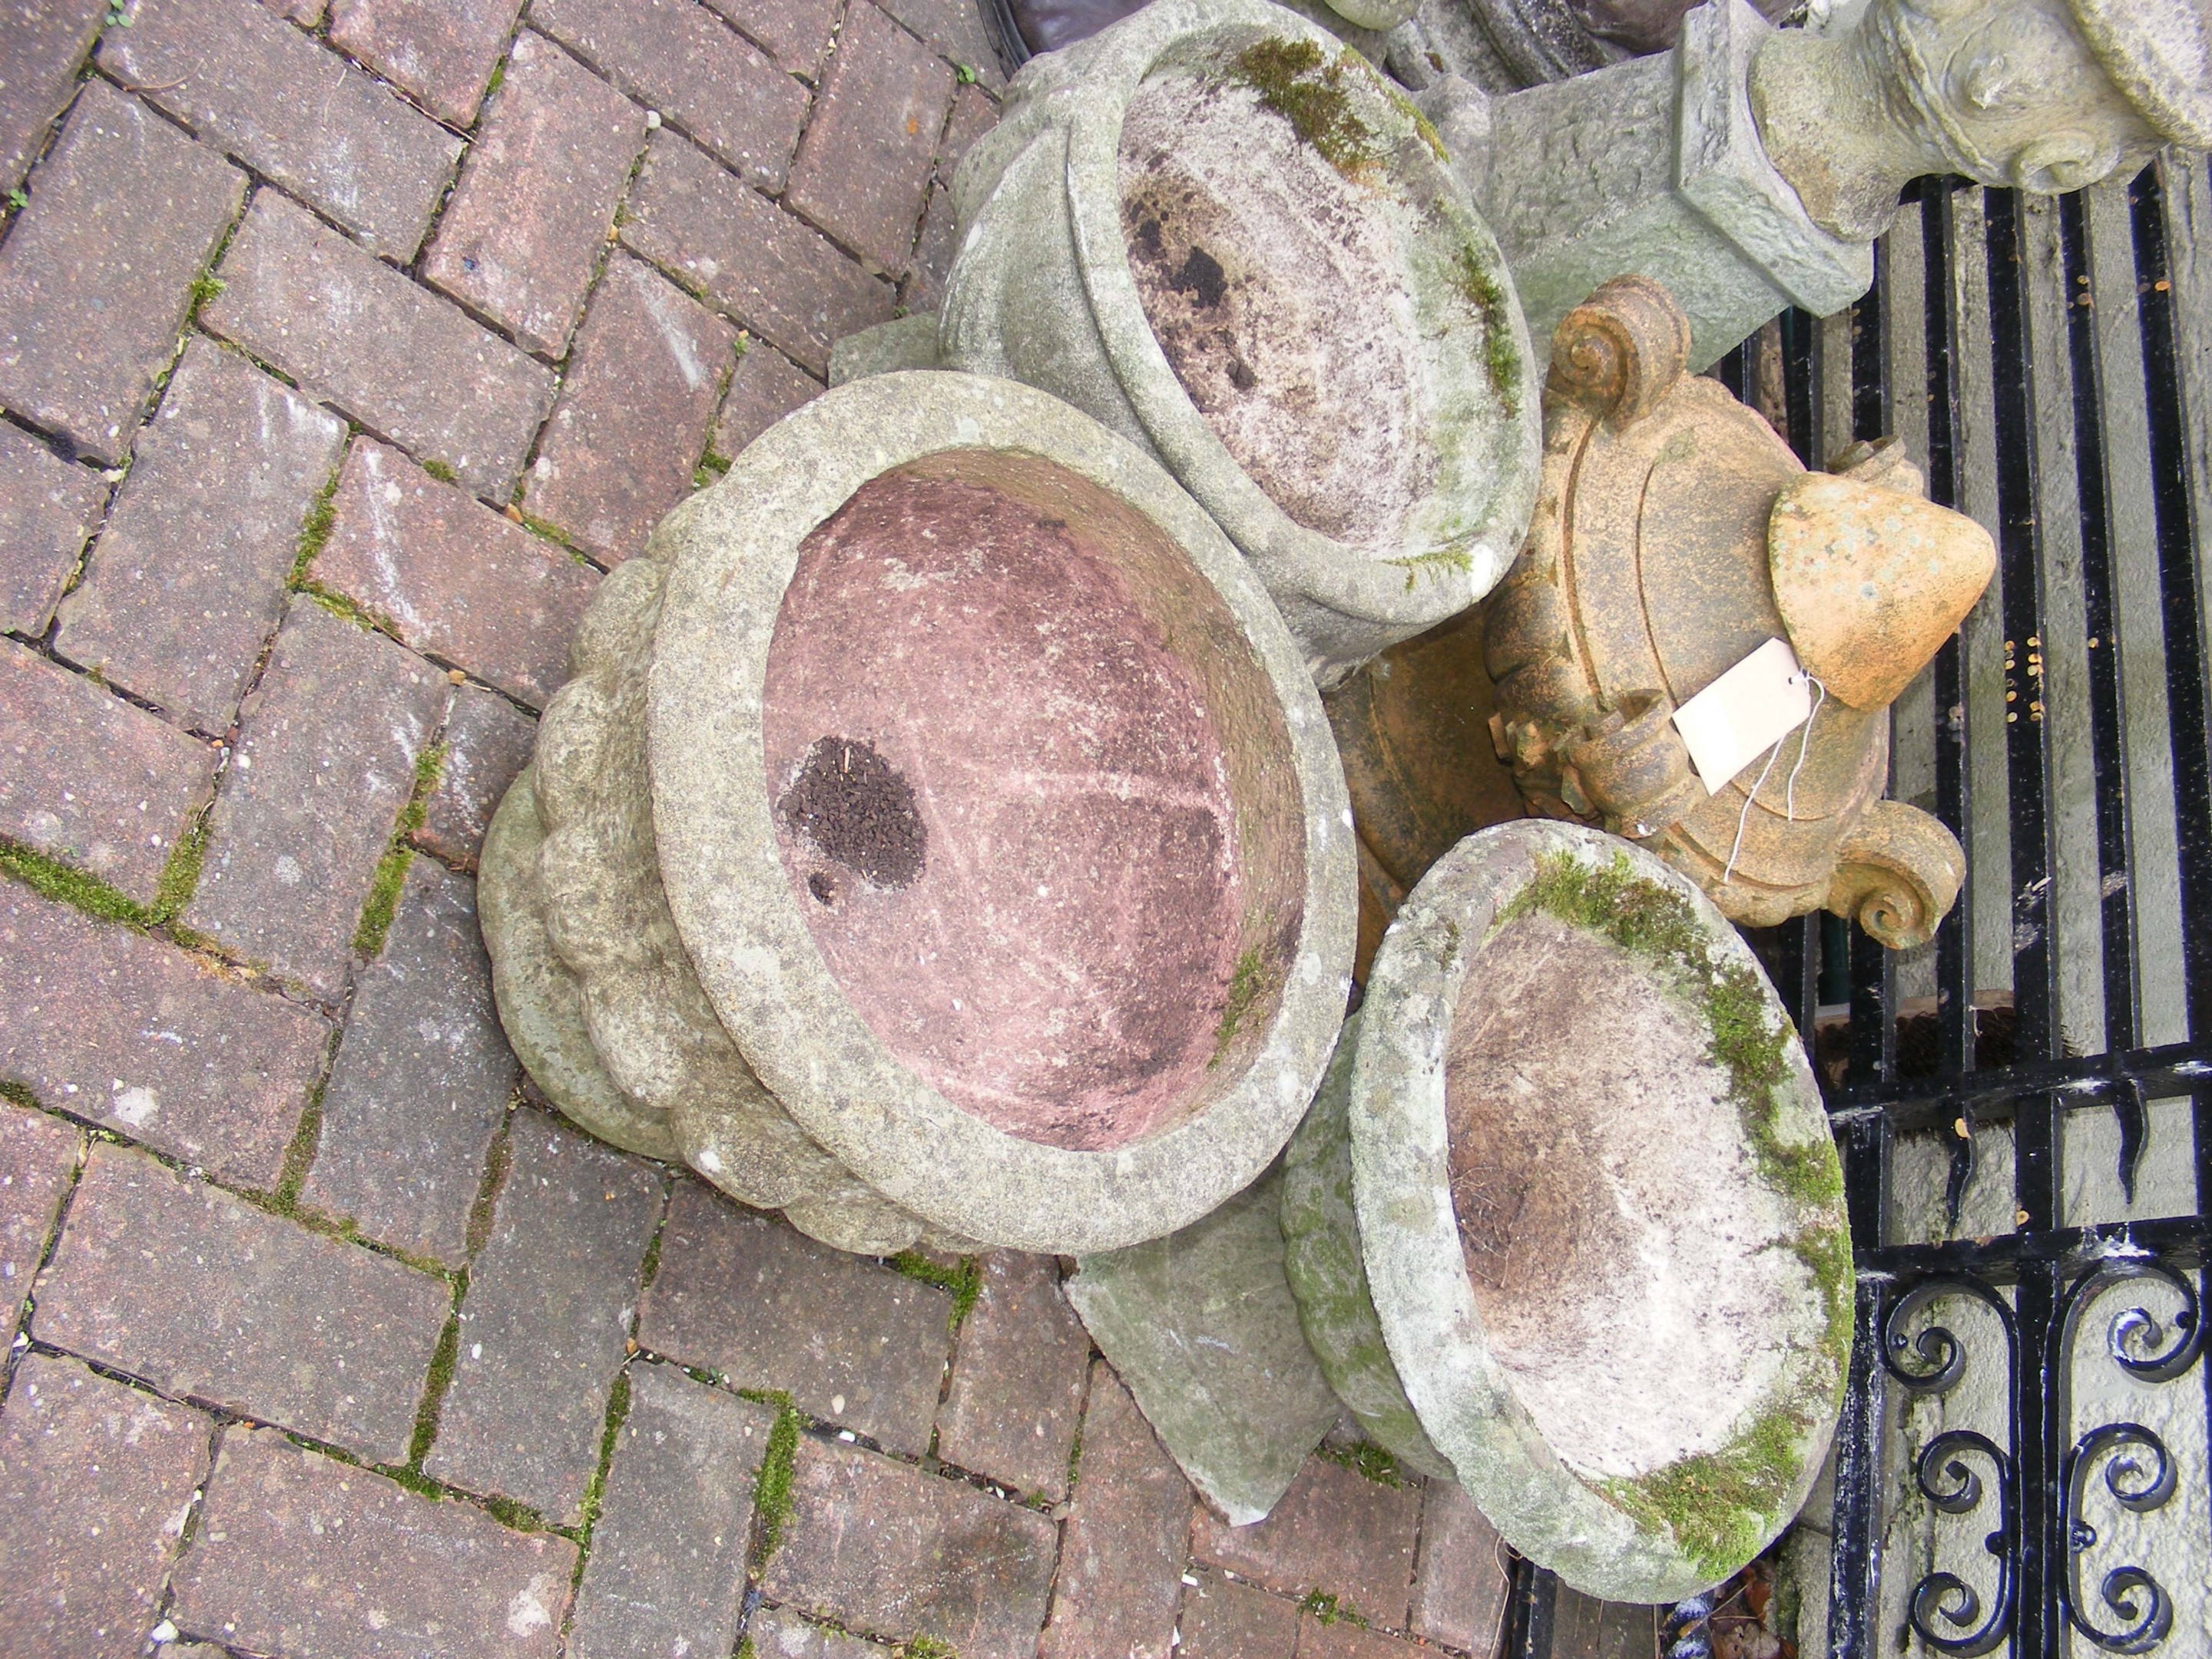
(941, 839)
(1570, 1222)
(1219, 230)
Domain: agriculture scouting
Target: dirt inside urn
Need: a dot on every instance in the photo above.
(1627, 1267)
(1273, 278)
(1008, 801)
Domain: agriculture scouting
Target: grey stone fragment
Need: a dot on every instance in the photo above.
(677, 57)
(421, 1079)
(37, 1156)
(767, 386)
(902, 343)
(40, 47)
(326, 761)
(1017, 1388)
(205, 1296)
(92, 779)
(759, 265)
(667, 1570)
(108, 1024)
(298, 1554)
(851, 1342)
(96, 1480)
(96, 274)
(519, 240)
(291, 109)
(543, 1327)
(1122, 1554)
(405, 362)
(188, 582)
(488, 743)
(1334, 1531)
(1202, 1327)
(884, 1549)
(441, 51)
(47, 509)
(778, 1634)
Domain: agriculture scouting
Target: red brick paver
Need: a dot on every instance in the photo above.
(252, 86)
(47, 509)
(862, 172)
(1017, 1390)
(787, 1635)
(441, 51)
(1224, 1619)
(668, 1556)
(758, 264)
(795, 32)
(205, 1296)
(409, 366)
(421, 1081)
(95, 277)
(851, 1342)
(41, 44)
(326, 761)
(767, 386)
(109, 1025)
(1460, 1585)
(520, 239)
(934, 248)
(1121, 1562)
(453, 578)
(696, 72)
(89, 779)
(1334, 1531)
(188, 583)
(488, 742)
(882, 1549)
(1341, 1638)
(302, 1555)
(95, 1478)
(955, 29)
(548, 1311)
(648, 370)
(38, 1154)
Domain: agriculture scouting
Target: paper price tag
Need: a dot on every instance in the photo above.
(1745, 711)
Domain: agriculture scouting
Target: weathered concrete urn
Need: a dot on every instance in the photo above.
(1678, 535)
(940, 840)
(1569, 1223)
(1220, 232)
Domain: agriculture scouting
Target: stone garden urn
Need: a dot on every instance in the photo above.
(940, 840)
(1566, 1219)
(1222, 234)
(1677, 535)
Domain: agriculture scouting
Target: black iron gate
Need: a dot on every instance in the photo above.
(2052, 363)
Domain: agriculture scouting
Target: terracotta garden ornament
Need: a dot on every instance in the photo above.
(1751, 168)
(1490, 1246)
(940, 840)
(1221, 232)
(1677, 535)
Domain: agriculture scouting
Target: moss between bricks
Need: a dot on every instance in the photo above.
(966, 1282)
(391, 869)
(1327, 1609)
(1368, 1459)
(772, 1485)
(1718, 1506)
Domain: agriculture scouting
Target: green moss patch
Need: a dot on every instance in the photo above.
(1719, 1506)
(1248, 986)
(1303, 85)
(63, 884)
(1486, 297)
(965, 1282)
(772, 1486)
(1368, 1459)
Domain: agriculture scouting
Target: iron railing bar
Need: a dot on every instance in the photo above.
(2172, 1068)
(2180, 1241)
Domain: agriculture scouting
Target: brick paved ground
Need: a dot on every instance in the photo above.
(342, 348)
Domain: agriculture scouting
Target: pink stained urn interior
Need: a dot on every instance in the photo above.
(1033, 796)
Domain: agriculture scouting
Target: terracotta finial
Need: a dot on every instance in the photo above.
(1870, 581)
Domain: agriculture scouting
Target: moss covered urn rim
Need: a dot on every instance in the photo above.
(1659, 1532)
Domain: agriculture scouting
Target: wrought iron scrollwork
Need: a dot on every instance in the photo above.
(1944, 1355)
(2136, 1335)
(1951, 1484)
(2139, 1473)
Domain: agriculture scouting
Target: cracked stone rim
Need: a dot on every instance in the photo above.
(736, 548)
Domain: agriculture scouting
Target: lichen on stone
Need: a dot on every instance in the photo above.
(1485, 295)
(1720, 1506)
(1301, 83)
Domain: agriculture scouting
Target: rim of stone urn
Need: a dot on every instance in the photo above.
(734, 548)
(1331, 572)
(1410, 1238)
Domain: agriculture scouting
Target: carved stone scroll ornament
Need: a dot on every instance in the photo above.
(1676, 535)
